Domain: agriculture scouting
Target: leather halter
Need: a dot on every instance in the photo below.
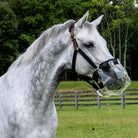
(71, 30)
(77, 49)
(104, 65)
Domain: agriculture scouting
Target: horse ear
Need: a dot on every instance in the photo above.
(97, 21)
(83, 20)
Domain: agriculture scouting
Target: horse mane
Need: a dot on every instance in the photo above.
(34, 49)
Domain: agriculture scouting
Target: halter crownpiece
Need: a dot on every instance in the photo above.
(105, 84)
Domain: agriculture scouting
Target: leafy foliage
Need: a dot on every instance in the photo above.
(8, 29)
(22, 21)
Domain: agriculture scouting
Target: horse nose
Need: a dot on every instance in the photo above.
(113, 70)
(109, 69)
(112, 74)
(115, 84)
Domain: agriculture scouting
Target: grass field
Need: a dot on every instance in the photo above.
(91, 122)
(81, 85)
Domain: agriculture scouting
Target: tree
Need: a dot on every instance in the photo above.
(8, 29)
(22, 21)
(118, 17)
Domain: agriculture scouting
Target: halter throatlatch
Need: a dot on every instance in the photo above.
(105, 83)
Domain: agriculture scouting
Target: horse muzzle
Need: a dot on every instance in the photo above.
(114, 80)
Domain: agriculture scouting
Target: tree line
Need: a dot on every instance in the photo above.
(22, 21)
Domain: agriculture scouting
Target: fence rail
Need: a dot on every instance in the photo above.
(90, 98)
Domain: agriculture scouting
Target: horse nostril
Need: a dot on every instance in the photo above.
(114, 84)
(119, 87)
(113, 74)
(110, 84)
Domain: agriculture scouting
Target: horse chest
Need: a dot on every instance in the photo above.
(23, 122)
(44, 125)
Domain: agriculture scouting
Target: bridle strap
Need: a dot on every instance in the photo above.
(76, 50)
(103, 65)
(75, 45)
(71, 30)
(87, 58)
(74, 60)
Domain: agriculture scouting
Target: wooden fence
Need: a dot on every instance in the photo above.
(90, 98)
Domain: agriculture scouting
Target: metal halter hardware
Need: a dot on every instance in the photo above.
(103, 65)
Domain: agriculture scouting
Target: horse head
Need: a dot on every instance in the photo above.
(93, 61)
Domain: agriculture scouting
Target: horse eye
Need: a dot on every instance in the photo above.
(89, 44)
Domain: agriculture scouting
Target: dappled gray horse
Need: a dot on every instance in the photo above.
(27, 89)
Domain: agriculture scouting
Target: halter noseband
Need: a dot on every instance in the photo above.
(103, 65)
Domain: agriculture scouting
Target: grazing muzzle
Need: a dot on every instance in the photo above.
(109, 78)
(113, 77)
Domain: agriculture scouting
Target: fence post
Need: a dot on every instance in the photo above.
(99, 102)
(76, 100)
(60, 100)
(123, 100)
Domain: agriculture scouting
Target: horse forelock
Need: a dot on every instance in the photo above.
(35, 48)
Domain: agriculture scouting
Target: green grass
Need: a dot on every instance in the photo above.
(91, 122)
(134, 84)
(81, 85)
(73, 86)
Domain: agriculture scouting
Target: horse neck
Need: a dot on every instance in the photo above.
(46, 69)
